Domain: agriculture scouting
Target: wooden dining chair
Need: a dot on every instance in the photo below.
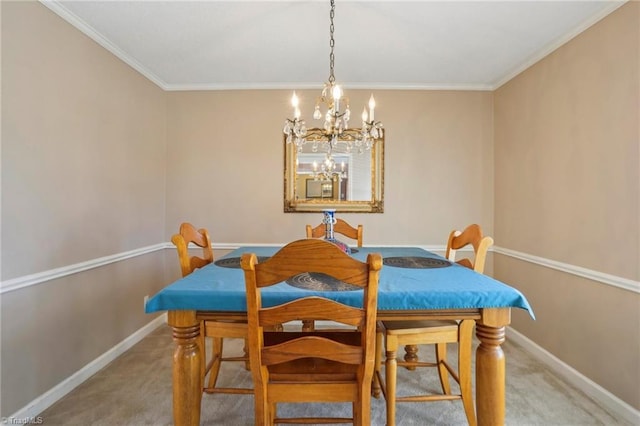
(294, 366)
(341, 227)
(214, 329)
(394, 335)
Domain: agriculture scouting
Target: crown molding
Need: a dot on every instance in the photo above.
(615, 4)
(314, 86)
(87, 30)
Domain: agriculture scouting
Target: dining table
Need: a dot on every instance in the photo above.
(414, 283)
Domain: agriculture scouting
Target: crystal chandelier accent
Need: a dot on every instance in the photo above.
(328, 170)
(336, 130)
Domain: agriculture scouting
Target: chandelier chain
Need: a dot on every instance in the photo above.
(335, 136)
(332, 43)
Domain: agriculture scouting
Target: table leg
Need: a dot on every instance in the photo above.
(391, 374)
(490, 368)
(187, 380)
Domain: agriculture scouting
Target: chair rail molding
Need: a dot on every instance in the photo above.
(51, 274)
(613, 280)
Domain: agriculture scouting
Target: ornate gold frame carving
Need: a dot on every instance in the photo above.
(374, 205)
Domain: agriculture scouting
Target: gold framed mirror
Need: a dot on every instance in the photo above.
(355, 182)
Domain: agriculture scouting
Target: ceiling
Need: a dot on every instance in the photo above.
(205, 45)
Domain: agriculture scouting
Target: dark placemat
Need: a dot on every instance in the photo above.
(416, 262)
(234, 262)
(319, 282)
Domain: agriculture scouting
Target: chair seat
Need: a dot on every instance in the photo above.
(412, 327)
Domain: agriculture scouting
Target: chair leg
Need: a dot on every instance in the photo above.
(391, 370)
(443, 373)
(465, 330)
(217, 360)
(376, 385)
(273, 413)
(247, 364)
(262, 410)
(363, 408)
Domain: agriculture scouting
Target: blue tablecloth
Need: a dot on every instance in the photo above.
(217, 288)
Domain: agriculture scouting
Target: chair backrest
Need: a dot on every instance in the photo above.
(200, 237)
(341, 227)
(319, 256)
(472, 235)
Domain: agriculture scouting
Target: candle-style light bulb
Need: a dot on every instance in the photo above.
(372, 105)
(294, 103)
(337, 94)
(364, 115)
(315, 166)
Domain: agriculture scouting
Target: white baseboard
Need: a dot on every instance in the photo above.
(614, 405)
(44, 401)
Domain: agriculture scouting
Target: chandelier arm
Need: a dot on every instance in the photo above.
(336, 128)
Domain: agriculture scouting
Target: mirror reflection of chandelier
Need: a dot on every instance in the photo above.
(328, 170)
(336, 133)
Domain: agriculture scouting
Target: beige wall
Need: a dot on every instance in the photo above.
(83, 163)
(567, 188)
(96, 161)
(225, 161)
(83, 170)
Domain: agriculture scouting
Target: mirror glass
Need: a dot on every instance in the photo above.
(354, 183)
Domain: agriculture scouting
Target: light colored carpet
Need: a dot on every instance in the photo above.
(135, 389)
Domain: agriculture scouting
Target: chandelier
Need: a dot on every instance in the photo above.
(336, 133)
(328, 170)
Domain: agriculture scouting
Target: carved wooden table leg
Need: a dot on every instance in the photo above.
(391, 373)
(490, 367)
(187, 380)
